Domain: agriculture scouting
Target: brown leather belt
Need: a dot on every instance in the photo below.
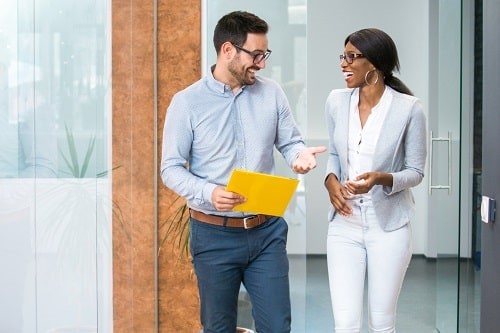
(246, 222)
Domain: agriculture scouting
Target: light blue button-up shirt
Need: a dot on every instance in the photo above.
(209, 131)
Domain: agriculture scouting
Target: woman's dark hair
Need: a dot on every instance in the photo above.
(235, 26)
(379, 48)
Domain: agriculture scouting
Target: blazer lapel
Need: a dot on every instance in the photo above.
(390, 134)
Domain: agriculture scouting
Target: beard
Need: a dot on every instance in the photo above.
(241, 74)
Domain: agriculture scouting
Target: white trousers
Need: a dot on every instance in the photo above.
(356, 246)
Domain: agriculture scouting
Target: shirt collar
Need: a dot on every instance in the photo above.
(218, 86)
(384, 101)
(215, 85)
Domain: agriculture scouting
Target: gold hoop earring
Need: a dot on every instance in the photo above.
(366, 77)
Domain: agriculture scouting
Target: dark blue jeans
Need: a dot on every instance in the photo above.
(225, 257)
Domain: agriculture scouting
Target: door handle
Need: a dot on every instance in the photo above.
(432, 140)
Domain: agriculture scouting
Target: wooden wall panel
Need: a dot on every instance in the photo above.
(133, 129)
(133, 182)
(179, 65)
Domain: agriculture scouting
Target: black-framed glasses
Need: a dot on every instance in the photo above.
(350, 56)
(257, 56)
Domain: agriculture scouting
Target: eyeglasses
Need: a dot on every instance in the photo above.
(350, 56)
(257, 56)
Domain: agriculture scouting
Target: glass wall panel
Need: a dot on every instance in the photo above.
(55, 198)
(434, 44)
(430, 42)
(287, 65)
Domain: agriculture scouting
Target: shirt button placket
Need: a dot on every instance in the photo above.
(238, 129)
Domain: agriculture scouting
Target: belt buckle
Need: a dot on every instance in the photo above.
(245, 219)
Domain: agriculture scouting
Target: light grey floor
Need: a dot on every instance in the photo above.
(431, 300)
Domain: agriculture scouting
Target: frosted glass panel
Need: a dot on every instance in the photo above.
(55, 198)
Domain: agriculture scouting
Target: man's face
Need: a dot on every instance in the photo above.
(242, 66)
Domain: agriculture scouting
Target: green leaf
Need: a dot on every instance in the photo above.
(177, 226)
(88, 155)
(72, 162)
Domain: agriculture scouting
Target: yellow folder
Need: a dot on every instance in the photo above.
(265, 194)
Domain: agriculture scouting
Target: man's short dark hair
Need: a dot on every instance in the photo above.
(235, 26)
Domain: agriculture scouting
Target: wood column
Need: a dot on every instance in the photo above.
(179, 65)
(133, 147)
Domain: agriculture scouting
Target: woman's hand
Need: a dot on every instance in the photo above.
(338, 195)
(364, 182)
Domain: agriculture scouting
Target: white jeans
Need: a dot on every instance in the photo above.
(357, 245)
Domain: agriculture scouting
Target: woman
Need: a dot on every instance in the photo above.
(377, 133)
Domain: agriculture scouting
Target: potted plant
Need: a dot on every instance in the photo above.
(176, 228)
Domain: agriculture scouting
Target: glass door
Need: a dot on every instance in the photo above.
(444, 158)
(451, 192)
(435, 46)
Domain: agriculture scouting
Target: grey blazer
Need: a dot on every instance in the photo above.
(401, 150)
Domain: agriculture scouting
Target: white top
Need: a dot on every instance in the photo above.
(363, 140)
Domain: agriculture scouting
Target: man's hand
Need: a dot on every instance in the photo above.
(225, 201)
(306, 160)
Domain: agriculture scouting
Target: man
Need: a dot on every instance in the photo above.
(230, 119)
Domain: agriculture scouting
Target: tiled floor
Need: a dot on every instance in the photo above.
(427, 304)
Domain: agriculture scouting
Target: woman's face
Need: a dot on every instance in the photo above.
(354, 67)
